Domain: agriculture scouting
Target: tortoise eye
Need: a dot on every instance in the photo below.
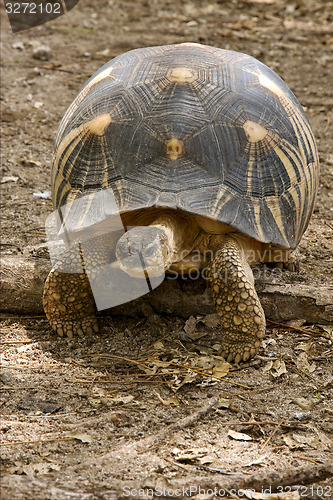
(150, 251)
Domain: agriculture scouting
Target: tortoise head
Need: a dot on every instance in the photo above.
(144, 247)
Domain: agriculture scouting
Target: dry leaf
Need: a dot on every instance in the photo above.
(81, 436)
(33, 468)
(188, 379)
(221, 370)
(302, 363)
(259, 461)
(159, 346)
(268, 366)
(325, 440)
(327, 328)
(190, 329)
(262, 1)
(191, 455)
(267, 342)
(197, 335)
(296, 322)
(207, 459)
(292, 444)
(224, 403)
(122, 399)
(319, 442)
(190, 325)
(305, 346)
(147, 370)
(277, 368)
(205, 362)
(9, 178)
(305, 404)
(171, 401)
(211, 320)
(239, 436)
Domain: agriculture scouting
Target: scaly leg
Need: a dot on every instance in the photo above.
(237, 303)
(68, 300)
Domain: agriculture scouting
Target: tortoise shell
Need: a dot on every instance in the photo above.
(209, 131)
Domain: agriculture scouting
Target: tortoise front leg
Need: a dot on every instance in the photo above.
(237, 303)
(68, 300)
(69, 304)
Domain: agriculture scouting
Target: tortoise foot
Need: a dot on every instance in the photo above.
(75, 326)
(237, 351)
(69, 304)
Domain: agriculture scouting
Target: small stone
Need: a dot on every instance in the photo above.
(18, 46)
(302, 416)
(6, 377)
(43, 53)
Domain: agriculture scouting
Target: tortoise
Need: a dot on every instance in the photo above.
(213, 165)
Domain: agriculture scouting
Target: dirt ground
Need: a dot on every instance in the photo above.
(148, 406)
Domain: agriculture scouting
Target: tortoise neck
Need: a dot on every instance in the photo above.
(181, 231)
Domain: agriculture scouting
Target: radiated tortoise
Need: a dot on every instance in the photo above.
(213, 165)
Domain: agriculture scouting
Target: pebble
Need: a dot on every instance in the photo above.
(6, 377)
(302, 416)
(42, 52)
(18, 46)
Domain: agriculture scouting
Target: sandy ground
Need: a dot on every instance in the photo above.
(145, 406)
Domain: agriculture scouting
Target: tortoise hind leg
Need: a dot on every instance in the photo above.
(283, 259)
(237, 303)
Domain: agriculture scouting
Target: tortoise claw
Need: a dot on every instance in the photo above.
(237, 352)
(75, 327)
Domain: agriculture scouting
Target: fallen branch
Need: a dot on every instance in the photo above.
(22, 282)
